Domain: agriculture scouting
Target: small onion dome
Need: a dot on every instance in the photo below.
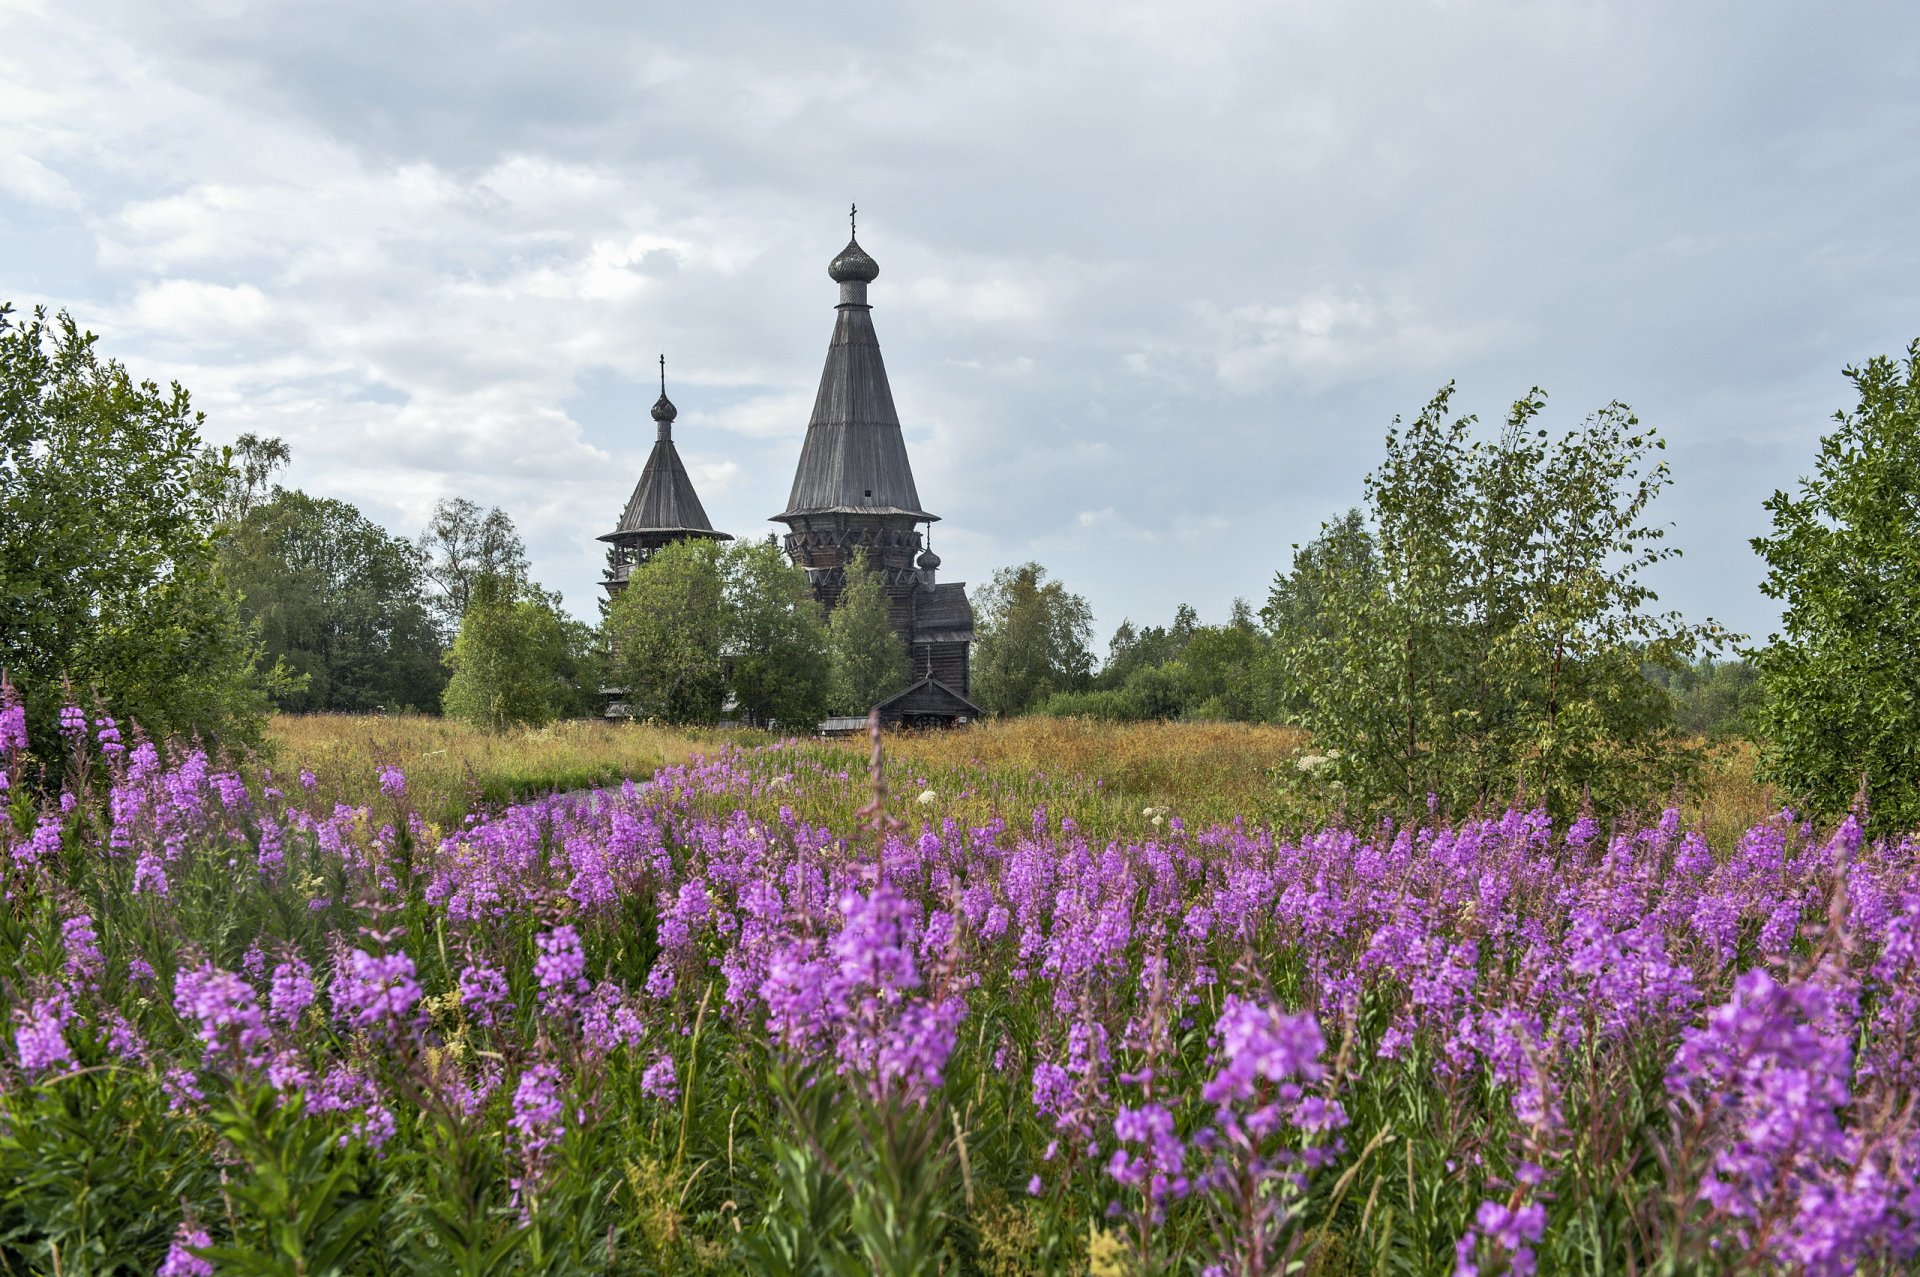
(853, 264)
(663, 410)
(928, 559)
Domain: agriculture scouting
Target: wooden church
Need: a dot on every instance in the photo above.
(853, 489)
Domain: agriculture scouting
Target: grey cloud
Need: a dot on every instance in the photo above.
(1174, 267)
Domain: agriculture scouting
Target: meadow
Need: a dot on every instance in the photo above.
(1041, 997)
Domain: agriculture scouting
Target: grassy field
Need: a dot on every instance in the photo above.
(453, 768)
(1103, 775)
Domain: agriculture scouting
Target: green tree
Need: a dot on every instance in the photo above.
(1841, 682)
(1032, 637)
(1715, 699)
(108, 570)
(665, 635)
(1486, 638)
(515, 659)
(1224, 667)
(459, 545)
(776, 644)
(337, 599)
(869, 661)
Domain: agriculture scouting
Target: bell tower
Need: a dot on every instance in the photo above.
(663, 508)
(853, 489)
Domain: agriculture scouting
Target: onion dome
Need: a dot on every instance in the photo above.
(928, 559)
(853, 265)
(663, 410)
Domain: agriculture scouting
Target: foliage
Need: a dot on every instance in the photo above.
(707, 1024)
(1031, 639)
(518, 660)
(108, 574)
(666, 633)
(1715, 699)
(1186, 670)
(336, 600)
(1487, 638)
(869, 662)
(245, 470)
(1305, 606)
(459, 547)
(776, 642)
(1841, 682)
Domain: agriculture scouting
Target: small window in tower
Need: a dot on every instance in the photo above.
(869, 491)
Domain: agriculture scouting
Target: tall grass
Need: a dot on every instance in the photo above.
(454, 768)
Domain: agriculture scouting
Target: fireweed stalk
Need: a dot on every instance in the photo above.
(1475, 1043)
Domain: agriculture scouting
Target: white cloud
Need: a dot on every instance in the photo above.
(203, 309)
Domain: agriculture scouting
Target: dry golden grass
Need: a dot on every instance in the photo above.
(1103, 774)
(452, 767)
(1732, 798)
(1203, 771)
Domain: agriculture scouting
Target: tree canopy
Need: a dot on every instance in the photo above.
(869, 662)
(338, 600)
(776, 643)
(1841, 681)
(108, 570)
(666, 632)
(1031, 640)
(1486, 637)
(518, 660)
(460, 545)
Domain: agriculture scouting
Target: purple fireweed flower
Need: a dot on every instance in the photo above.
(483, 992)
(288, 1071)
(606, 1022)
(107, 732)
(375, 992)
(182, 1090)
(84, 962)
(292, 992)
(1511, 1232)
(13, 719)
(41, 1033)
(224, 1007)
(393, 782)
(661, 1081)
(140, 971)
(1253, 1043)
(1773, 1068)
(343, 1090)
(181, 1261)
(469, 1097)
(149, 874)
(560, 968)
(268, 842)
(1157, 1158)
(536, 1128)
(73, 722)
(42, 844)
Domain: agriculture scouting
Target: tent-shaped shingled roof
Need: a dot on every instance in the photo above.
(854, 460)
(664, 505)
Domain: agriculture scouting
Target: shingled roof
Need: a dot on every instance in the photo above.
(663, 502)
(854, 460)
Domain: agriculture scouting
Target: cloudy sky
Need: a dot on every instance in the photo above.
(1155, 278)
